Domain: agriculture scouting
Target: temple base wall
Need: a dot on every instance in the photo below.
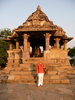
(56, 61)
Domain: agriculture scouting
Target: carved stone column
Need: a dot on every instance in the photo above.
(25, 50)
(17, 44)
(47, 41)
(17, 53)
(29, 47)
(10, 46)
(65, 44)
(57, 45)
(62, 47)
(25, 42)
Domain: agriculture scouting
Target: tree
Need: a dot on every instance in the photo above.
(3, 53)
(3, 46)
(71, 53)
(4, 33)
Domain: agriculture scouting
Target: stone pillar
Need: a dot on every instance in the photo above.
(25, 50)
(17, 54)
(62, 47)
(65, 44)
(10, 46)
(29, 47)
(26, 42)
(47, 41)
(17, 44)
(57, 45)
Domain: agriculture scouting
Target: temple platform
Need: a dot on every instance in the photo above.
(26, 73)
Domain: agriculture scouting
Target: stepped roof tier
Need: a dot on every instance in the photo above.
(39, 22)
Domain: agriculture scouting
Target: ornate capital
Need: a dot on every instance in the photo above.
(57, 39)
(25, 36)
(47, 35)
(65, 41)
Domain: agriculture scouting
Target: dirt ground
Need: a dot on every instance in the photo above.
(16, 91)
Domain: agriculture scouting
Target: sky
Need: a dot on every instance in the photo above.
(62, 12)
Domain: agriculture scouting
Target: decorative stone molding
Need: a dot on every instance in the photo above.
(55, 54)
(17, 57)
(57, 57)
(10, 57)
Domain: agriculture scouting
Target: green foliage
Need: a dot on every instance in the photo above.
(71, 61)
(3, 46)
(4, 33)
(71, 53)
(3, 52)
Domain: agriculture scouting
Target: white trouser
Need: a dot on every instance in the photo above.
(40, 78)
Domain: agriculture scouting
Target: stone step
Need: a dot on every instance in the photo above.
(24, 77)
(32, 80)
(23, 72)
(22, 81)
(19, 78)
(51, 75)
(57, 81)
(52, 72)
(54, 77)
(25, 81)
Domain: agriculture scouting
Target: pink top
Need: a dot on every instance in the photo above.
(40, 68)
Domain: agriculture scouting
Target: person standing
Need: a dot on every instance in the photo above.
(40, 73)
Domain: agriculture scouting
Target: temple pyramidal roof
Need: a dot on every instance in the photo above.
(38, 21)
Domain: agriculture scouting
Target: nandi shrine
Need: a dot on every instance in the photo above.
(38, 39)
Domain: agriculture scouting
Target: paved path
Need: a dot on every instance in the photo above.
(31, 92)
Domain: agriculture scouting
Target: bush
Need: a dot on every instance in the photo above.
(3, 52)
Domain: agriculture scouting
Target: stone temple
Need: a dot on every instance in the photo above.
(38, 39)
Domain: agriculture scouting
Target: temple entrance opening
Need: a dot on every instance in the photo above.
(37, 44)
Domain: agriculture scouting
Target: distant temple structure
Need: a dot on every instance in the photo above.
(38, 39)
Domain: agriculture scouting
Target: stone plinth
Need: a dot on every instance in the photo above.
(55, 54)
(25, 56)
(56, 61)
(17, 56)
(10, 58)
(14, 57)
